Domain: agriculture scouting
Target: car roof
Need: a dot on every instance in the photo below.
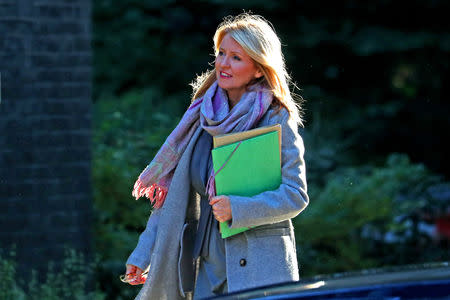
(361, 282)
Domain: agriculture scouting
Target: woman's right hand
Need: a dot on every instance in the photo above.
(134, 275)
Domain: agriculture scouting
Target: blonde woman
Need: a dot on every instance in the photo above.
(181, 246)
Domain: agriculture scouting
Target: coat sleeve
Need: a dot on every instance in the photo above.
(290, 198)
(140, 257)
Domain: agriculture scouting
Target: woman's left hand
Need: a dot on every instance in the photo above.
(221, 208)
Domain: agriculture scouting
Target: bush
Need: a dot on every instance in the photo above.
(128, 131)
(70, 281)
(350, 222)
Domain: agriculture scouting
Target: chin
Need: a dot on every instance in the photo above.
(222, 85)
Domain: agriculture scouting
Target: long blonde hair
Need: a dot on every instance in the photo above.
(259, 40)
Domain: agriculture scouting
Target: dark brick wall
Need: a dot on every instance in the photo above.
(45, 128)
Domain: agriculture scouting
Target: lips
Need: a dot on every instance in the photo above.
(224, 74)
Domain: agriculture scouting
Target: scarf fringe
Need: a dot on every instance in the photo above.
(156, 193)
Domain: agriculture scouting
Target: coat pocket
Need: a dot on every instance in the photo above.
(272, 232)
(277, 229)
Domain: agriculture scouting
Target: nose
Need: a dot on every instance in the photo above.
(222, 61)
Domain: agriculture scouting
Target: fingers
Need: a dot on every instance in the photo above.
(131, 269)
(221, 215)
(216, 199)
(221, 208)
(220, 218)
(220, 203)
(218, 214)
(136, 281)
(134, 275)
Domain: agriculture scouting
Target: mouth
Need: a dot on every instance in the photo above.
(224, 74)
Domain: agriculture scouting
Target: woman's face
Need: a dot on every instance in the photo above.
(234, 69)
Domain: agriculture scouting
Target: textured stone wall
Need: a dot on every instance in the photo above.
(45, 128)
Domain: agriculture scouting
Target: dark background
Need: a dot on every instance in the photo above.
(91, 90)
(372, 75)
(376, 70)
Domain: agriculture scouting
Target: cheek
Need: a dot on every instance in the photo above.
(244, 69)
(247, 72)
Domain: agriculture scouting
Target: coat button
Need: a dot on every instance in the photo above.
(242, 262)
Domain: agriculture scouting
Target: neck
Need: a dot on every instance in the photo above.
(233, 98)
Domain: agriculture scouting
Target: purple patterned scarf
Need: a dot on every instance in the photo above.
(212, 113)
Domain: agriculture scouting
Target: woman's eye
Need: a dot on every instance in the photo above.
(220, 53)
(237, 58)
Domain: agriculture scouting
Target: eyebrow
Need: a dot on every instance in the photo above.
(231, 51)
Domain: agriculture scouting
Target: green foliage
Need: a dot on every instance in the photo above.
(9, 289)
(71, 281)
(375, 74)
(128, 131)
(347, 222)
(150, 46)
(367, 81)
(364, 40)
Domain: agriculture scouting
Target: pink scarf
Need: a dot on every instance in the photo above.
(213, 114)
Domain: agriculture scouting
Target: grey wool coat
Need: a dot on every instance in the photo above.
(268, 251)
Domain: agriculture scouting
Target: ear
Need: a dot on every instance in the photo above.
(258, 73)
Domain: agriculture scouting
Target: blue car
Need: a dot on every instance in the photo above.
(427, 281)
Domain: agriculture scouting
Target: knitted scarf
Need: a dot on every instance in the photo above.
(212, 113)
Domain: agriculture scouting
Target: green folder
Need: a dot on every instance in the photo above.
(253, 168)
